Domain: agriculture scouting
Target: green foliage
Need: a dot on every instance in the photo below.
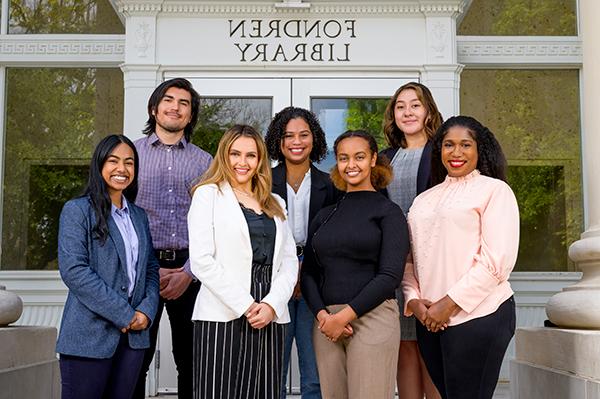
(367, 114)
(520, 18)
(535, 116)
(541, 197)
(54, 119)
(63, 16)
(219, 114)
(49, 186)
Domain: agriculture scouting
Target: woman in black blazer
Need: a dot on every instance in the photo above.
(410, 121)
(296, 140)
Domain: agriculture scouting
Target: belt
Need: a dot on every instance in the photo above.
(299, 250)
(172, 255)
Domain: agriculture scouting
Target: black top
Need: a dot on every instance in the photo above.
(355, 253)
(262, 236)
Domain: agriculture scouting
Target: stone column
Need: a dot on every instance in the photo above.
(441, 73)
(577, 306)
(558, 363)
(140, 70)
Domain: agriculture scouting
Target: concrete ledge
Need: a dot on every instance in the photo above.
(26, 345)
(28, 363)
(570, 351)
(37, 381)
(530, 381)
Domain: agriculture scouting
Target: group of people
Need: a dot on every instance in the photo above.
(391, 271)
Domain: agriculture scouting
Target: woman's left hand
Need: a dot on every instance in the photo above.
(261, 315)
(439, 313)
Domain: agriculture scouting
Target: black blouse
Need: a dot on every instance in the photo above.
(262, 235)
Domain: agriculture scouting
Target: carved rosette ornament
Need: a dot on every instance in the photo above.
(11, 307)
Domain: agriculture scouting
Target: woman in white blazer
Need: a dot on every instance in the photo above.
(243, 252)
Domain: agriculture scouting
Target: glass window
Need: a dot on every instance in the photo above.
(54, 118)
(536, 117)
(219, 114)
(336, 115)
(65, 16)
(520, 18)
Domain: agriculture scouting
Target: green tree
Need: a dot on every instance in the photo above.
(520, 17)
(63, 16)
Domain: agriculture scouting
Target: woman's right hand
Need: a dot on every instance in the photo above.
(419, 308)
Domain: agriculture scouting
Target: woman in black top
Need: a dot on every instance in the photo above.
(354, 260)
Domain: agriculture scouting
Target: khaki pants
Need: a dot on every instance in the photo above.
(362, 366)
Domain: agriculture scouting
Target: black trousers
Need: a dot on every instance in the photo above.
(464, 361)
(182, 336)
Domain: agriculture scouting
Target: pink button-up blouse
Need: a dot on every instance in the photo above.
(465, 238)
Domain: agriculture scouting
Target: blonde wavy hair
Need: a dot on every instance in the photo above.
(220, 169)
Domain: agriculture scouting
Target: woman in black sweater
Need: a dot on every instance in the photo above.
(354, 260)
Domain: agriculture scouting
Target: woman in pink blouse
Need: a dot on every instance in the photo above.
(465, 236)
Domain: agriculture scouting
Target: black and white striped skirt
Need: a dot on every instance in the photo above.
(232, 360)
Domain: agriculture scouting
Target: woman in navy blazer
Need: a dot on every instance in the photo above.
(106, 260)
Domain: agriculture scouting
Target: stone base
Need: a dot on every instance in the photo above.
(553, 363)
(28, 363)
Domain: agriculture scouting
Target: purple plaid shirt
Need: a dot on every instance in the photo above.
(166, 175)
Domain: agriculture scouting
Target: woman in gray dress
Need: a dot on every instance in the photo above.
(410, 121)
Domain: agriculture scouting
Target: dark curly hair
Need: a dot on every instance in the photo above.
(276, 132)
(490, 157)
(393, 135)
(381, 173)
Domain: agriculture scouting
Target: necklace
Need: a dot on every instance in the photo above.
(296, 184)
(245, 194)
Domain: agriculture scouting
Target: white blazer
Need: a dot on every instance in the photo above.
(221, 257)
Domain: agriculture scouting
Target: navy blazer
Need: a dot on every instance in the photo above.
(98, 306)
(322, 190)
(424, 171)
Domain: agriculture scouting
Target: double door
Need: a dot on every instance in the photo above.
(339, 103)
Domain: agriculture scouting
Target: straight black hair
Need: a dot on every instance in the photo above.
(96, 188)
(157, 96)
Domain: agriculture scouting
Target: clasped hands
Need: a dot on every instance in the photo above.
(173, 282)
(434, 316)
(138, 322)
(337, 325)
(259, 315)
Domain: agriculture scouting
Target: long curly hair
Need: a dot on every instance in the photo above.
(490, 157)
(220, 169)
(381, 173)
(276, 132)
(393, 135)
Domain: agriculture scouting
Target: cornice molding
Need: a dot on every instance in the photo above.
(217, 9)
(473, 50)
(62, 48)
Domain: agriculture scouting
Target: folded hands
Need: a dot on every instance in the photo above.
(433, 315)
